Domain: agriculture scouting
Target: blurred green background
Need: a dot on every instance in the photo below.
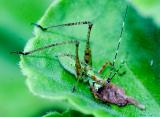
(15, 30)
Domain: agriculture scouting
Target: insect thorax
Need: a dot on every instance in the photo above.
(68, 63)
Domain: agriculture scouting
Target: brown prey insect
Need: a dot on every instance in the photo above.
(102, 90)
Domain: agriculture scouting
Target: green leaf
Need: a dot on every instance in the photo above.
(68, 113)
(47, 78)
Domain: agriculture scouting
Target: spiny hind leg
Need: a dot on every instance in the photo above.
(77, 68)
(87, 52)
(45, 47)
(77, 63)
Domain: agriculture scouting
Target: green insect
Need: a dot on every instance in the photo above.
(101, 88)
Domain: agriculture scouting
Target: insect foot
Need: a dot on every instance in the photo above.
(20, 53)
(39, 26)
(111, 93)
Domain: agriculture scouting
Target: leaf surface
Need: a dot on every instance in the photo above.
(47, 78)
(68, 113)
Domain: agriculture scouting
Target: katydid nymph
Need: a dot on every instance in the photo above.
(101, 88)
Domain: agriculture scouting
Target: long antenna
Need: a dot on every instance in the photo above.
(118, 46)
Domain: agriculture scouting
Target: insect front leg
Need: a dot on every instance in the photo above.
(117, 71)
(107, 63)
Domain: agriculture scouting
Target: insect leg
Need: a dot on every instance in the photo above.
(96, 79)
(66, 54)
(77, 63)
(87, 53)
(45, 47)
(117, 71)
(62, 25)
(78, 68)
(104, 66)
